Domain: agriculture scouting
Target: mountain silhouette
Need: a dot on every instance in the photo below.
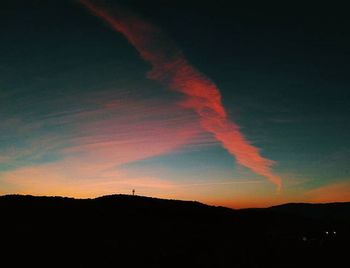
(136, 231)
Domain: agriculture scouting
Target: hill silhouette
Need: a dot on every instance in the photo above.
(136, 231)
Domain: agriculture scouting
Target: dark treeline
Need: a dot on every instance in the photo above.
(135, 231)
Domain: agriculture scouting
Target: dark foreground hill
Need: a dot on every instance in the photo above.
(134, 231)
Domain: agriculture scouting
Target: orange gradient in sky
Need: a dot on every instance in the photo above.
(73, 178)
(92, 180)
(336, 192)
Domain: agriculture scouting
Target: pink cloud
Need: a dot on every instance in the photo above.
(171, 68)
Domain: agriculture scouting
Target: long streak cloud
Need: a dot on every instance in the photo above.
(172, 69)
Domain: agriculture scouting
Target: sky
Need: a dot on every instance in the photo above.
(231, 104)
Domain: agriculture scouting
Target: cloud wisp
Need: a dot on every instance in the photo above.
(171, 68)
(100, 140)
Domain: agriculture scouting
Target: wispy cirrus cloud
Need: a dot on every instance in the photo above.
(133, 131)
(93, 143)
(172, 69)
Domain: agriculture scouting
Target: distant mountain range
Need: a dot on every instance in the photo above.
(136, 231)
(330, 212)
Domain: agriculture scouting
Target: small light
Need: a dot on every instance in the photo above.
(334, 232)
(326, 232)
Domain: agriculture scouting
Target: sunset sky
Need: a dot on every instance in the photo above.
(228, 104)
